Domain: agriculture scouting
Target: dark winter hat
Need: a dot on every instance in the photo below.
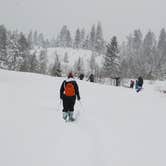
(70, 75)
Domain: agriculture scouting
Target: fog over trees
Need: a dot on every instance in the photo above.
(141, 54)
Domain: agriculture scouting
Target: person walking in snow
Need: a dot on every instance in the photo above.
(69, 91)
(91, 78)
(132, 84)
(139, 84)
(81, 76)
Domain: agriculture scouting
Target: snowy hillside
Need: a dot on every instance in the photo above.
(116, 126)
(69, 57)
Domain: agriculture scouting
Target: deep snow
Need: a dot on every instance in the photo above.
(116, 126)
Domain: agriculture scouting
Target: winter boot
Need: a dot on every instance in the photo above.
(71, 116)
(65, 115)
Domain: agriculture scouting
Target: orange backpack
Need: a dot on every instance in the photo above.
(69, 89)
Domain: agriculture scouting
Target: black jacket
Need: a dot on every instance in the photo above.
(140, 81)
(91, 78)
(77, 94)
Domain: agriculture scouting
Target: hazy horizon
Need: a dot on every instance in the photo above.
(117, 18)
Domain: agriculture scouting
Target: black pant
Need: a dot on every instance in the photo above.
(68, 103)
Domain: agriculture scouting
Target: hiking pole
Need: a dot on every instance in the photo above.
(81, 106)
(77, 114)
(58, 108)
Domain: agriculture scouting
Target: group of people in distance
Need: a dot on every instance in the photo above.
(138, 84)
(91, 77)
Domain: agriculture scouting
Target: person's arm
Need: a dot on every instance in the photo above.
(62, 90)
(77, 91)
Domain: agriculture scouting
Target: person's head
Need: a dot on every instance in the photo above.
(140, 77)
(70, 75)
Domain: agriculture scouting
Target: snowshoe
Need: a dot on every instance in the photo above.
(71, 119)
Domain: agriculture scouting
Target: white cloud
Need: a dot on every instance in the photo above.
(117, 17)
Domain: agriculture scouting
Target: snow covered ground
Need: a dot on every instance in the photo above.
(73, 56)
(116, 126)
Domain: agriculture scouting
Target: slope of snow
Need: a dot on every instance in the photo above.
(73, 56)
(116, 126)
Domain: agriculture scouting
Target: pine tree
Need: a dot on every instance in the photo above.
(147, 60)
(68, 39)
(3, 46)
(92, 63)
(132, 54)
(33, 63)
(162, 40)
(99, 43)
(137, 41)
(161, 51)
(112, 61)
(24, 52)
(56, 69)
(82, 38)
(64, 39)
(149, 43)
(43, 61)
(92, 38)
(14, 58)
(77, 42)
(63, 36)
(23, 43)
(35, 38)
(79, 66)
(30, 39)
(86, 43)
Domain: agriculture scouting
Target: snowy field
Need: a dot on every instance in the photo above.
(116, 126)
(73, 56)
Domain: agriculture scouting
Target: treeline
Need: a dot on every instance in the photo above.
(144, 55)
(16, 54)
(138, 55)
(17, 50)
(92, 40)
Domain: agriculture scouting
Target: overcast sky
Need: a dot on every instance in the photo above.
(118, 17)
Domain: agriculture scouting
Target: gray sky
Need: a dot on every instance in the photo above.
(118, 17)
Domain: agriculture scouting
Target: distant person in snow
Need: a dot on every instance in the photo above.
(68, 92)
(117, 81)
(81, 76)
(91, 78)
(139, 84)
(132, 84)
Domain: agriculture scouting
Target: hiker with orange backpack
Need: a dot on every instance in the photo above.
(68, 92)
